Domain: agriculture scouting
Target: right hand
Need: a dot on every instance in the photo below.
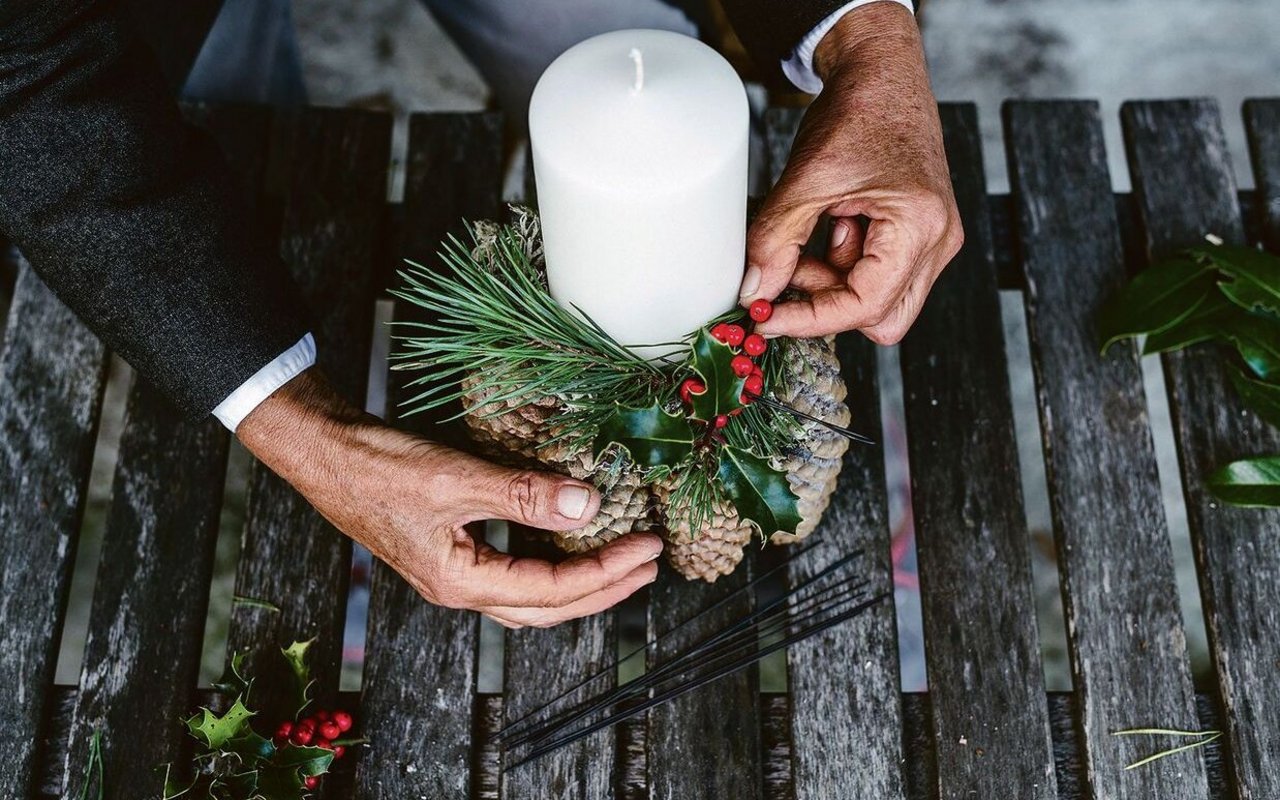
(410, 500)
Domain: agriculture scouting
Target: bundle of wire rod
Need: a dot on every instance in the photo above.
(834, 594)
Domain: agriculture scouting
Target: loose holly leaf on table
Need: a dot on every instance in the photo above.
(214, 731)
(241, 784)
(1156, 299)
(1255, 284)
(296, 656)
(280, 783)
(233, 683)
(309, 760)
(711, 360)
(1253, 482)
(651, 436)
(249, 747)
(1262, 398)
(759, 492)
(171, 787)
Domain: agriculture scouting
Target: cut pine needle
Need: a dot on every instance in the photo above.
(1202, 738)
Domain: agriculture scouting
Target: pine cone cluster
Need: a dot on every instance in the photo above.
(511, 432)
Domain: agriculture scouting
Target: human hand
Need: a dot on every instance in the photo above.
(409, 501)
(870, 145)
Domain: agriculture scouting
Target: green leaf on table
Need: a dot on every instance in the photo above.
(1252, 482)
(760, 493)
(711, 360)
(310, 760)
(214, 731)
(652, 436)
(241, 784)
(1257, 338)
(1156, 299)
(296, 656)
(1255, 284)
(1262, 398)
(1206, 322)
(249, 747)
(233, 683)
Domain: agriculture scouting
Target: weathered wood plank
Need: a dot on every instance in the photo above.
(707, 742)
(857, 695)
(541, 663)
(1128, 649)
(51, 377)
(290, 555)
(1262, 121)
(1185, 188)
(421, 728)
(989, 717)
(148, 614)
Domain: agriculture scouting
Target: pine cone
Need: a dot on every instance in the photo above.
(713, 551)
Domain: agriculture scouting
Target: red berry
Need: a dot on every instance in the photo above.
(307, 722)
(690, 387)
(757, 371)
(339, 751)
(720, 333)
(735, 334)
(284, 730)
(301, 737)
(754, 384)
(311, 781)
(721, 421)
(760, 310)
(324, 744)
(735, 412)
(343, 720)
(745, 399)
(741, 366)
(754, 345)
(322, 715)
(330, 730)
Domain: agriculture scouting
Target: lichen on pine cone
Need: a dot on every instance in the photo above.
(511, 431)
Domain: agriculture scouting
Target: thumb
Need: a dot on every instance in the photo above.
(774, 244)
(538, 499)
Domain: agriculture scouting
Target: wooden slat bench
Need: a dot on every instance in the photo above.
(986, 728)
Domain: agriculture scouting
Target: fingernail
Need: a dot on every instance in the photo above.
(840, 233)
(750, 283)
(572, 501)
(653, 557)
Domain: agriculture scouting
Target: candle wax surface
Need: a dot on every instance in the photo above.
(642, 183)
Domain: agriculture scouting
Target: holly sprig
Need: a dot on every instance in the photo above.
(1224, 294)
(237, 762)
(689, 442)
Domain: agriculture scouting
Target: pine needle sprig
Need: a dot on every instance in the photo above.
(513, 339)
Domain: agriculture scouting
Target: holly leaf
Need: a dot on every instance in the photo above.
(214, 731)
(1262, 398)
(1207, 321)
(1255, 284)
(309, 760)
(650, 435)
(240, 786)
(760, 493)
(296, 656)
(1252, 482)
(711, 361)
(1157, 299)
(250, 748)
(280, 783)
(233, 683)
(171, 786)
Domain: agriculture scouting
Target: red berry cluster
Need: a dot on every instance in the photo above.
(753, 346)
(318, 730)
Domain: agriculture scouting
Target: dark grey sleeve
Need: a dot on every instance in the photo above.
(126, 212)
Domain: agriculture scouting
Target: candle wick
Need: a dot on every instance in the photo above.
(637, 58)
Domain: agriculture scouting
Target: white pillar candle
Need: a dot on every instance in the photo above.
(639, 142)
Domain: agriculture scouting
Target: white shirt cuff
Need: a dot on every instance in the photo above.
(798, 67)
(284, 368)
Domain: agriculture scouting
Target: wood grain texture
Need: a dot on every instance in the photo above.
(1127, 643)
(1185, 188)
(290, 556)
(420, 728)
(989, 716)
(1262, 122)
(541, 664)
(147, 618)
(51, 375)
(705, 743)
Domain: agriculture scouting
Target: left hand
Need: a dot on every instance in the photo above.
(870, 145)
